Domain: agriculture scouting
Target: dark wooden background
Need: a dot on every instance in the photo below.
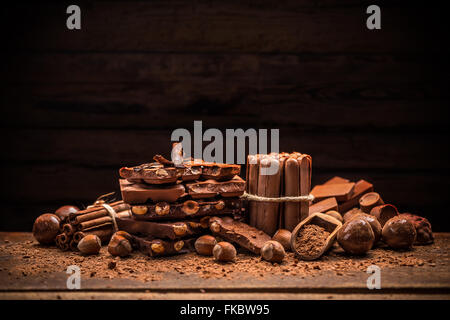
(77, 105)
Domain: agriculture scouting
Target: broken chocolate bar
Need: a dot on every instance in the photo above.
(188, 209)
(240, 233)
(341, 191)
(219, 171)
(324, 206)
(211, 188)
(336, 180)
(362, 187)
(135, 193)
(158, 247)
(166, 230)
(152, 173)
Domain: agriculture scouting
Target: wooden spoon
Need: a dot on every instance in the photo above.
(330, 224)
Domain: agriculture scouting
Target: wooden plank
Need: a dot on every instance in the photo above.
(428, 278)
(114, 148)
(205, 26)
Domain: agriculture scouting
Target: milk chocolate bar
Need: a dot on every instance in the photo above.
(336, 180)
(152, 173)
(188, 209)
(134, 193)
(158, 247)
(211, 188)
(361, 188)
(324, 206)
(240, 233)
(219, 171)
(341, 191)
(163, 230)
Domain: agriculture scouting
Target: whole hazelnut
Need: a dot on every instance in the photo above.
(273, 251)
(423, 228)
(356, 236)
(283, 236)
(399, 233)
(351, 213)
(119, 246)
(90, 244)
(46, 228)
(64, 211)
(204, 245)
(384, 212)
(224, 251)
(370, 200)
(376, 226)
(335, 215)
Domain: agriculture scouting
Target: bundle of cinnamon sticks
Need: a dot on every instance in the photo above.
(94, 220)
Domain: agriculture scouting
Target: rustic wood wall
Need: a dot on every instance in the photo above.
(77, 105)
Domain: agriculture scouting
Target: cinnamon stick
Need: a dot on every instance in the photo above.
(96, 212)
(102, 221)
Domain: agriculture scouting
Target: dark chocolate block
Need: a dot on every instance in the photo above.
(134, 193)
(211, 188)
(361, 187)
(188, 209)
(240, 233)
(158, 247)
(324, 205)
(163, 230)
(341, 191)
(220, 171)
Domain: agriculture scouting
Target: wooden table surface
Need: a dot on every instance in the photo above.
(430, 281)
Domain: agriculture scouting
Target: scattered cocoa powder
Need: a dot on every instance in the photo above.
(310, 240)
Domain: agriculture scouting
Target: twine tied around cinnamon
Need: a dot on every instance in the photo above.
(100, 201)
(254, 197)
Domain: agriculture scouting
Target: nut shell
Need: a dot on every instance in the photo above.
(90, 244)
(273, 251)
(224, 252)
(46, 228)
(335, 214)
(384, 212)
(399, 233)
(369, 201)
(204, 245)
(356, 236)
(283, 236)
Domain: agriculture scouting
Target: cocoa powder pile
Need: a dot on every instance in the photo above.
(310, 240)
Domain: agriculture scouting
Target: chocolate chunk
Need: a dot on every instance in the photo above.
(240, 233)
(166, 230)
(151, 173)
(211, 188)
(324, 206)
(158, 247)
(219, 171)
(341, 191)
(337, 180)
(135, 193)
(188, 209)
(362, 187)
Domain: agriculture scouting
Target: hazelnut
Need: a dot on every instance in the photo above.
(224, 251)
(180, 229)
(215, 227)
(190, 207)
(376, 226)
(335, 215)
(369, 201)
(356, 236)
(162, 208)
(399, 233)
(273, 251)
(64, 211)
(283, 236)
(157, 247)
(220, 205)
(178, 245)
(90, 244)
(351, 213)
(139, 210)
(46, 228)
(384, 212)
(423, 228)
(204, 222)
(119, 246)
(161, 173)
(204, 245)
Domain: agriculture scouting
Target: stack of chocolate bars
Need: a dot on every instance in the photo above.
(171, 203)
(338, 194)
